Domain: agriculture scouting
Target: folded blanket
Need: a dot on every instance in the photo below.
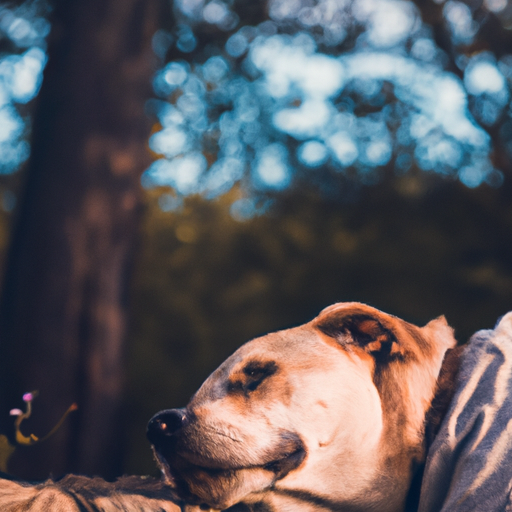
(82, 494)
(469, 465)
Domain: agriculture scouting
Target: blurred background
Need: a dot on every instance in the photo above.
(179, 177)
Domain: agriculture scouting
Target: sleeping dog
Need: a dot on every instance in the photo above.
(340, 414)
(330, 415)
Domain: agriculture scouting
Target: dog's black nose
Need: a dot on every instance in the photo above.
(164, 424)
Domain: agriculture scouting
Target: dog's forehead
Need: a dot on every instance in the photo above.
(287, 345)
(296, 347)
(290, 351)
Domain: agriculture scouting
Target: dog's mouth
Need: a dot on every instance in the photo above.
(221, 487)
(290, 461)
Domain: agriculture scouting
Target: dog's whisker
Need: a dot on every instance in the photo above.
(220, 433)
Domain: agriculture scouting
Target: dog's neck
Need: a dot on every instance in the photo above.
(444, 393)
(445, 389)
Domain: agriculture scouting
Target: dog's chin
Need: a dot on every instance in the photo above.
(222, 488)
(216, 490)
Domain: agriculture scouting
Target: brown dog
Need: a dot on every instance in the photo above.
(326, 416)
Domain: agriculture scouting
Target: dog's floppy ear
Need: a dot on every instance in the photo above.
(363, 326)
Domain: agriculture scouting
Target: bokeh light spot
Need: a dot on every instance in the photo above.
(236, 45)
(169, 142)
(187, 41)
(215, 69)
(175, 74)
(495, 5)
(289, 63)
(423, 49)
(459, 18)
(10, 124)
(484, 77)
(271, 168)
(378, 152)
(222, 175)
(180, 173)
(215, 12)
(472, 176)
(313, 153)
(388, 22)
(343, 147)
(304, 121)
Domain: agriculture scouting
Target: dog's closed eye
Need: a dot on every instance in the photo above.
(253, 374)
(257, 372)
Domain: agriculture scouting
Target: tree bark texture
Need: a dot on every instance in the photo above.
(63, 315)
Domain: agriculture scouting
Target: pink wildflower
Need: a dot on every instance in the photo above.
(28, 397)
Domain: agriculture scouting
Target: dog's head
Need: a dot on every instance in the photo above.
(328, 415)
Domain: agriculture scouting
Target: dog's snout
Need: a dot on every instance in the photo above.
(164, 424)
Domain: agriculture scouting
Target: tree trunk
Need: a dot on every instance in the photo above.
(63, 313)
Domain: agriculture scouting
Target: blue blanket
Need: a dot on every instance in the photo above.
(469, 465)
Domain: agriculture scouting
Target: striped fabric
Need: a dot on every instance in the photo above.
(469, 465)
